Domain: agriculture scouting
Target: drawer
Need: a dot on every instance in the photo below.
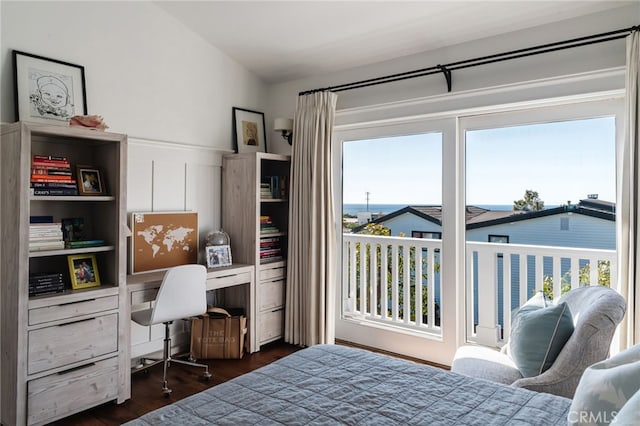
(228, 280)
(270, 273)
(71, 310)
(77, 341)
(61, 394)
(270, 295)
(144, 296)
(271, 325)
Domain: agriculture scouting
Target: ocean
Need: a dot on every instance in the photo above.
(353, 209)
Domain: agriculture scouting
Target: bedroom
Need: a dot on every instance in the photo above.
(172, 103)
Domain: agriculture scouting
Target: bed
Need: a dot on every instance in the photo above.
(332, 384)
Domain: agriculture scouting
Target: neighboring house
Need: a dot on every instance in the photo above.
(588, 224)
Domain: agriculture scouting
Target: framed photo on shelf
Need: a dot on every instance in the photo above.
(218, 256)
(90, 181)
(83, 270)
(47, 90)
(249, 134)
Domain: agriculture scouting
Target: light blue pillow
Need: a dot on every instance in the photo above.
(538, 335)
(604, 389)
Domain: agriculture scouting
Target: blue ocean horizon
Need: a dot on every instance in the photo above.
(353, 209)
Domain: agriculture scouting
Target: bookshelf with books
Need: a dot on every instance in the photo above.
(255, 214)
(69, 338)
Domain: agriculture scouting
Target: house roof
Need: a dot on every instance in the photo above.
(478, 217)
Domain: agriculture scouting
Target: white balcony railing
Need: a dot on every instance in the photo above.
(378, 271)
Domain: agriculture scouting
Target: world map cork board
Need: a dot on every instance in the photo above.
(161, 240)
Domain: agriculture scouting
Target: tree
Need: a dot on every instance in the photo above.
(530, 202)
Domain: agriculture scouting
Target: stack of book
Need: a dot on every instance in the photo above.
(267, 226)
(40, 284)
(270, 249)
(274, 187)
(51, 175)
(45, 236)
(265, 191)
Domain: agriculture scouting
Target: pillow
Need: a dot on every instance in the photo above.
(630, 413)
(539, 299)
(538, 335)
(604, 389)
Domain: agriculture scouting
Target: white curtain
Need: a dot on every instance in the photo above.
(628, 187)
(309, 310)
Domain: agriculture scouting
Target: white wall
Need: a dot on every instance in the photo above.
(147, 74)
(151, 78)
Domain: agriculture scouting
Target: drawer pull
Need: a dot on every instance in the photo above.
(76, 368)
(75, 322)
(78, 301)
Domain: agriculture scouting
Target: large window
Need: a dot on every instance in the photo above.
(549, 184)
(463, 214)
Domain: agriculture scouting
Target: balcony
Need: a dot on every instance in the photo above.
(378, 272)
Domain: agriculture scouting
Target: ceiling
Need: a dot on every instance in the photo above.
(287, 40)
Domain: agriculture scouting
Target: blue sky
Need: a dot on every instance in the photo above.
(563, 161)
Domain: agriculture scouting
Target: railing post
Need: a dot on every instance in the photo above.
(487, 329)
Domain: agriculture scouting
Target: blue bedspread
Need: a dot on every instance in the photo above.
(331, 385)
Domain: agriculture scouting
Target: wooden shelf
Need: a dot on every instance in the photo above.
(83, 198)
(62, 252)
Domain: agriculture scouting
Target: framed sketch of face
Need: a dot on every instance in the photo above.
(47, 90)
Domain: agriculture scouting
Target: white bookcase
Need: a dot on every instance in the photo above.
(64, 352)
(243, 205)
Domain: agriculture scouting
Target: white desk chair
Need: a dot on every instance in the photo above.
(182, 294)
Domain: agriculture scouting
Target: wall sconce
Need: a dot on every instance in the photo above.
(284, 126)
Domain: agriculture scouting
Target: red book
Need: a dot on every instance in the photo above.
(54, 163)
(47, 178)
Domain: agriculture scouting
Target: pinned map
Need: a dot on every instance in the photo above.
(163, 240)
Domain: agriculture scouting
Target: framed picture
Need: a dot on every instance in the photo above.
(218, 256)
(47, 90)
(90, 181)
(249, 134)
(83, 270)
(161, 240)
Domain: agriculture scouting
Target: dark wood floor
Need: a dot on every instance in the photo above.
(146, 388)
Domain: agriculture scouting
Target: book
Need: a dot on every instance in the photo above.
(45, 226)
(48, 185)
(53, 245)
(51, 178)
(49, 157)
(51, 172)
(40, 219)
(55, 191)
(52, 237)
(84, 243)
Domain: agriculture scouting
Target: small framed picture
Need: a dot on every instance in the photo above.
(90, 181)
(249, 134)
(83, 270)
(47, 90)
(218, 256)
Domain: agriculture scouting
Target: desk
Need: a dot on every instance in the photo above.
(238, 279)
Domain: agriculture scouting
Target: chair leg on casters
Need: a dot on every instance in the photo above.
(167, 358)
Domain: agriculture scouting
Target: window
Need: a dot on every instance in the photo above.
(503, 239)
(427, 234)
(564, 223)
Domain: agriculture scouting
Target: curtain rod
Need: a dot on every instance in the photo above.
(483, 60)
